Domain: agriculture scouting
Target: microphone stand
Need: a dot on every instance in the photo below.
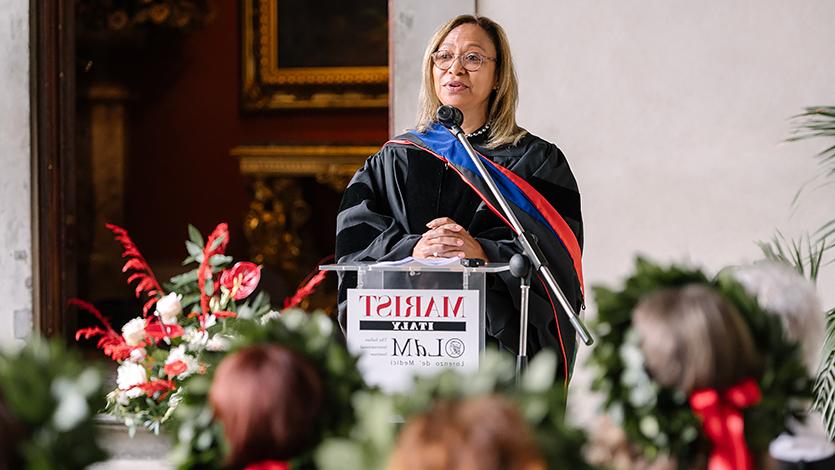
(530, 250)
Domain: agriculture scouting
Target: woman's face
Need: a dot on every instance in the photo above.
(467, 91)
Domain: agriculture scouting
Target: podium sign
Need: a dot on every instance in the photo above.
(400, 333)
(414, 317)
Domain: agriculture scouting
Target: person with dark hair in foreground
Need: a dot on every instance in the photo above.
(268, 400)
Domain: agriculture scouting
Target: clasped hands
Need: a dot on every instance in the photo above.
(446, 239)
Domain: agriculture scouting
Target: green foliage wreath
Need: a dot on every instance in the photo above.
(199, 439)
(540, 398)
(52, 397)
(657, 419)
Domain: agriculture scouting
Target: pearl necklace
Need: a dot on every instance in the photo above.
(477, 133)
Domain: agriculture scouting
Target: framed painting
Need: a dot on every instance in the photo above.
(323, 54)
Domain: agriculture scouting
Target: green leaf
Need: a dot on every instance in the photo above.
(195, 236)
(217, 260)
(184, 278)
(193, 248)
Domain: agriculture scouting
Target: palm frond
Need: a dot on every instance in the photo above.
(817, 122)
(824, 389)
(804, 255)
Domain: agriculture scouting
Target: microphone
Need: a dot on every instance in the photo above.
(450, 116)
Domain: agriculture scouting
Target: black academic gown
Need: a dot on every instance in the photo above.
(390, 199)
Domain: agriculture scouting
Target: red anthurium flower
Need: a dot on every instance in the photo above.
(175, 368)
(241, 279)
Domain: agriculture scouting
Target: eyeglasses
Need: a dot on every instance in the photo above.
(471, 61)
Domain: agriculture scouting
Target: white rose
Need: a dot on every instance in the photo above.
(134, 331)
(129, 375)
(169, 307)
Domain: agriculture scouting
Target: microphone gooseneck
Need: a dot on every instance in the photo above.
(450, 116)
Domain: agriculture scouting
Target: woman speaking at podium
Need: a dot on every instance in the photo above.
(411, 200)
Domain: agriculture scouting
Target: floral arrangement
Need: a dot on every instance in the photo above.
(48, 399)
(539, 397)
(657, 420)
(194, 313)
(199, 438)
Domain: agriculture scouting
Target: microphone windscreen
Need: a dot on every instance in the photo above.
(450, 116)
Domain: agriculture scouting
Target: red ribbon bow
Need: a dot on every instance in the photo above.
(268, 465)
(721, 415)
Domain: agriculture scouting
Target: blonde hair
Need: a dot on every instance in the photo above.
(501, 110)
(692, 338)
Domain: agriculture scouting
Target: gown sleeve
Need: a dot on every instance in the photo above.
(369, 224)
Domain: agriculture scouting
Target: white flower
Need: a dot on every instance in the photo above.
(117, 396)
(179, 354)
(218, 343)
(195, 338)
(138, 355)
(293, 319)
(72, 404)
(134, 331)
(269, 316)
(128, 375)
(649, 426)
(169, 307)
(209, 321)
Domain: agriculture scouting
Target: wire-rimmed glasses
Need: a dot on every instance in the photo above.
(471, 61)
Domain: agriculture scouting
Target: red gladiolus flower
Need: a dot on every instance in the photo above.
(175, 368)
(241, 279)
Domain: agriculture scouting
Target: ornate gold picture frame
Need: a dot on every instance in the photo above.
(323, 54)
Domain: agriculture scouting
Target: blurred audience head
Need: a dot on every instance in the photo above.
(692, 338)
(782, 291)
(268, 399)
(485, 433)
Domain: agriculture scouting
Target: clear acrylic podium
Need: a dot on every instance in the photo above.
(415, 317)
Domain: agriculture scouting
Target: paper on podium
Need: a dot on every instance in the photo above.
(409, 260)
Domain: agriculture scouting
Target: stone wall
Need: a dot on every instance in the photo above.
(15, 177)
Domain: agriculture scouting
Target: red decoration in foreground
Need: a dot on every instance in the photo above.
(268, 465)
(721, 414)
